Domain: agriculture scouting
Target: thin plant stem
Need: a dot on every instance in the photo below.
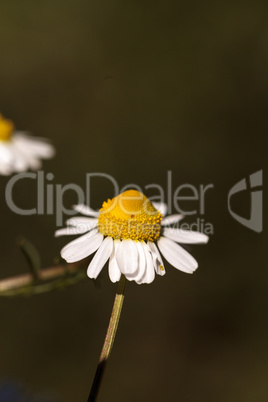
(109, 339)
(45, 274)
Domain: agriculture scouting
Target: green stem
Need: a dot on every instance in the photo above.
(109, 339)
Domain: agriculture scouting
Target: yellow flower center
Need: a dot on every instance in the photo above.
(130, 215)
(6, 129)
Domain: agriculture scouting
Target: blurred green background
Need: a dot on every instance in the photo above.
(134, 89)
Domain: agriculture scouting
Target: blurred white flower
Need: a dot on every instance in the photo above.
(20, 152)
(128, 230)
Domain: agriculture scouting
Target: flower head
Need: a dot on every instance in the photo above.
(18, 151)
(129, 230)
(130, 215)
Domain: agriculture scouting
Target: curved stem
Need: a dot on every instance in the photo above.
(109, 339)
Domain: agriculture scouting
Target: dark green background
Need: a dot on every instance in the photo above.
(134, 89)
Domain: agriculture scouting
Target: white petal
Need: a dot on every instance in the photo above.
(19, 163)
(6, 158)
(169, 220)
(149, 273)
(100, 258)
(127, 258)
(24, 158)
(114, 271)
(185, 236)
(141, 263)
(40, 147)
(78, 250)
(70, 231)
(157, 260)
(4, 169)
(85, 210)
(5, 152)
(82, 223)
(78, 220)
(21, 153)
(160, 206)
(81, 238)
(177, 256)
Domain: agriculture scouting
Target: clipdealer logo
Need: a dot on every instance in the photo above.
(254, 188)
(50, 197)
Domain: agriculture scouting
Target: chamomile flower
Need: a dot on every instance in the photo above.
(129, 231)
(20, 152)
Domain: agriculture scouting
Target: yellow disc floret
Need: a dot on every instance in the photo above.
(130, 215)
(6, 129)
